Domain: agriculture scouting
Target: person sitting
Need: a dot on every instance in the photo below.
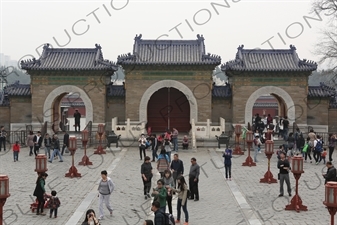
(185, 142)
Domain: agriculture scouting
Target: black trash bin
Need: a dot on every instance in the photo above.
(223, 139)
(112, 138)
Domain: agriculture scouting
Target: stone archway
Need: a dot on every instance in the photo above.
(48, 103)
(270, 90)
(167, 84)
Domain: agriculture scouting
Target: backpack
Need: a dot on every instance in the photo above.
(319, 146)
(169, 219)
(54, 203)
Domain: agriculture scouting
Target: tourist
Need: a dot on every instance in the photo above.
(330, 175)
(90, 218)
(142, 146)
(162, 162)
(318, 149)
(228, 163)
(47, 145)
(154, 147)
(182, 199)
(300, 142)
(159, 217)
(185, 142)
(54, 204)
(77, 118)
(284, 166)
(323, 155)
(168, 148)
(169, 184)
(269, 120)
(308, 150)
(280, 128)
(194, 179)
(159, 193)
(105, 189)
(37, 142)
(256, 145)
(148, 222)
(3, 135)
(146, 172)
(312, 137)
(40, 192)
(285, 128)
(30, 142)
(290, 146)
(332, 144)
(16, 150)
(297, 135)
(177, 168)
(56, 147)
(174, 139)
(168, 135)
(65, 141)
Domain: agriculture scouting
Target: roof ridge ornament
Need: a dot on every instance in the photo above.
(292, 47)
(98, 46)
(200, 38)
(138, 37)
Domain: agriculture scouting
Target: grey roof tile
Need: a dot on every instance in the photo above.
(321, 91)
(17, 89)
(69, 59)
(169, 52)
(275, 60)
(115, 90)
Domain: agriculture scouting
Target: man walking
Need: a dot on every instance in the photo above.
(3, 135)
(175, 139)
(330, 174)
(177, 167)
(37, 142)
(56, 146)
(194, 179)
(285, 128)
(284, 167)
(77, 117)
(159, 218)
(154, 147)
(65, 141)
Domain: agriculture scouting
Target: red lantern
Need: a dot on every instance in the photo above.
(85, 135)
(297, 165)
(72, 144)
(4, 187)
(100, 129)
(331, 199)
(238, 129)
(269, 147)
(249, 137)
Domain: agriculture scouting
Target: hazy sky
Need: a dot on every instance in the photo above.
(26, 25)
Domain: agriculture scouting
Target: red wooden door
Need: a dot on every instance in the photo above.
(168, 108)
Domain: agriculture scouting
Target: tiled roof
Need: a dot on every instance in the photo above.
(69, 59)
(115, 90)
(333, 102)
(222, 91)
(169, 52)
(17, 89)
(275, 60)
(321, 91)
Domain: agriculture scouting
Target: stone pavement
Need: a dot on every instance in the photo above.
(241, 201)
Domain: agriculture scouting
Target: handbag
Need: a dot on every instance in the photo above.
(278, 176)
(67, 150)
(305, 148)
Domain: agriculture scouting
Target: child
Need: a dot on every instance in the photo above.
(54, 203)
(16, 150)
(323, 155)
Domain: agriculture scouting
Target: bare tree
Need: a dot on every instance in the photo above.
(327, 47)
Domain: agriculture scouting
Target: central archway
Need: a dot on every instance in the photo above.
(275, 91)
(167, 84)
(59, 91)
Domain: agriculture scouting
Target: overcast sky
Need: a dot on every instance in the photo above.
(26, 25)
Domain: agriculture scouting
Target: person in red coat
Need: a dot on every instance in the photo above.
(16, 150)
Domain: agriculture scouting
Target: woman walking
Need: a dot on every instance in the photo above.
(39, 192)
(332, 143)
(30, 142)
(182, 199)
(146, 171)
(308, 151)
(228, 163)
(169, 184)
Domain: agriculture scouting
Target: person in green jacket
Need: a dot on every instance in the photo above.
(160, 193)
(40, 192)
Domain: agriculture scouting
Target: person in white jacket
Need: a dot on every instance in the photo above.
(105, 188)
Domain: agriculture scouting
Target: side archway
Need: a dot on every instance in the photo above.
(48, 103)
(273, 91)
(168, 84)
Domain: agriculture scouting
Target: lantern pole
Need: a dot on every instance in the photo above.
(331, 203)
(4, 194)
(249, 161)
(238, 132)
(268, 176)
(85, 160)
(296, 201)
(100, 132)
(72, 148)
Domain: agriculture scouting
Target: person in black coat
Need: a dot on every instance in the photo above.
(39, 192)
(77, 117)
(65, 141)
(330, 174)
(37, 142)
